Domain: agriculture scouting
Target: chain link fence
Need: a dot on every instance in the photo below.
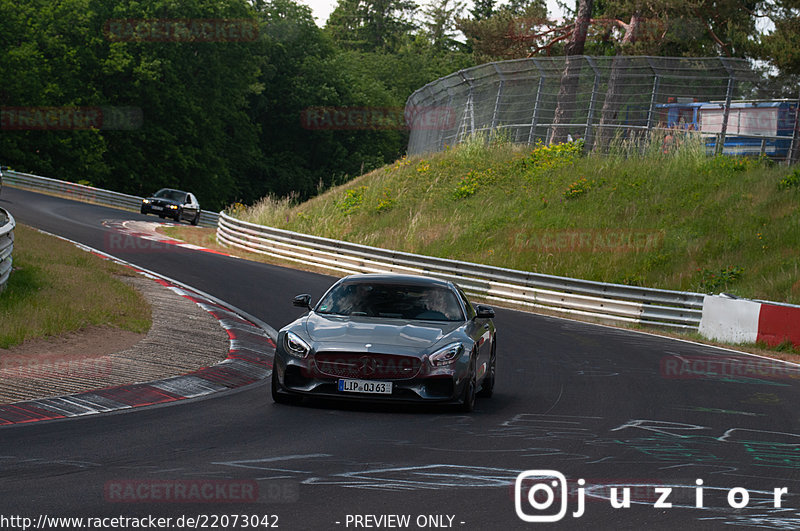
(604, 100)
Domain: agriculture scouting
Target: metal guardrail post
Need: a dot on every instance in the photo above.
(7, 225)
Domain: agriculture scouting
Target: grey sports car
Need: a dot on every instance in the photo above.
(388, 338)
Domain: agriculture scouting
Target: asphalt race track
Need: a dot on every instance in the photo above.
(612, 407)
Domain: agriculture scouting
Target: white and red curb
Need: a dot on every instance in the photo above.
(746, 321)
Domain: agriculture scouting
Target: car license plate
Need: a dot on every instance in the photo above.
(154, 207)
(365, 386)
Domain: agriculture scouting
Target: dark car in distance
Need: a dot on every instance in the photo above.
(175, 204)
(387, 337)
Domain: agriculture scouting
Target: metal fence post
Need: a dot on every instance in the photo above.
(535, 117)
(794, 149)
(720, 147)
(498, 98)
(469, 112)
(442, 137)
(587, 142)
(652, 110)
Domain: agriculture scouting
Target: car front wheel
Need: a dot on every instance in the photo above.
(470, 392)
(487, 387)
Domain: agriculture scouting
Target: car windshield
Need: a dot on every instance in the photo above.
(172, 195)
(398, 301)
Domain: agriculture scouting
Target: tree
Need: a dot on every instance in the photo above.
(614, 96)
(482, 9)
(439, 23)
(371, 25)
(781, 47)
(305, 80)
(495, 37)
(565, 106)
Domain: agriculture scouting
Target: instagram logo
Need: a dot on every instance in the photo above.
(534, 499)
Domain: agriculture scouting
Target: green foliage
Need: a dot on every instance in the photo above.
(467, 186)
(699, 28)
(371, 25)
(385, 202)
(482, 9)
(578, 188)
(351, 200)
(715, 281)
(222, 119)
(473, 181)
(729, 164)
(439, 24)
(790, 181)
(550, 157)
(781, 46)
(493, 32)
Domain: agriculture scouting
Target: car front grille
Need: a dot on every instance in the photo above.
(367, 366)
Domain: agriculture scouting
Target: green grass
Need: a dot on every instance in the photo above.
(57, 288)
(687, 221)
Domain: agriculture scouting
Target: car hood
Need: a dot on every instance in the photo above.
(391, 334)
(163, 200)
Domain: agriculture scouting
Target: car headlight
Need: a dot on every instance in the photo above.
(447, 355)
(296, 346)
(173, 207)
(146, 201)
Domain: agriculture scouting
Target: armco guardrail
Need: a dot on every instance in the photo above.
(601, 301)
(6, 245)
(88, 194)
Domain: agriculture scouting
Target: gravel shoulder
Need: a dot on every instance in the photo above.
(182, 338)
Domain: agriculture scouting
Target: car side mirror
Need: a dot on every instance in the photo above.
(303, 301)
(484, 312)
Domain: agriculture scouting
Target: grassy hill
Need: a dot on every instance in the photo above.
(679, 220)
